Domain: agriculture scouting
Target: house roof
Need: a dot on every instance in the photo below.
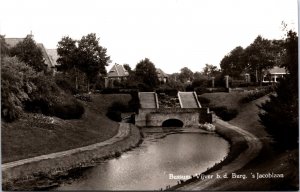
(53, 56)
(48, 60)
(160, 73)
(277, 70)
(11, 42)
(117, 71)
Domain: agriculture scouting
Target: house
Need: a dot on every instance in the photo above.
(274, 74)
(11, 42)
(162, 76)
(53, 56)
(116, 73)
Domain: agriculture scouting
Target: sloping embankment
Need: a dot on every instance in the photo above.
(44, 171)
(237, 158)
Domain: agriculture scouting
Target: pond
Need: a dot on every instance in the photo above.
(163, 153)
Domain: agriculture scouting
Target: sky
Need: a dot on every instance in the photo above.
(172, 33)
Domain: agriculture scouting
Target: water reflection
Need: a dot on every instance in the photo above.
(147, 167)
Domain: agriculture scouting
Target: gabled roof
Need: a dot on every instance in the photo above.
(160, 73)
(48, 60)
(13, 41)
(53, 56)
(277, 70)
(117, 71)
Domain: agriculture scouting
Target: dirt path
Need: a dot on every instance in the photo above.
(254, 147)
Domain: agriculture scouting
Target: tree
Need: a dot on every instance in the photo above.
(234, 63)
(185, 75)
(85, 55)
(67, 51)
(128, 68)
(260, 56)
(92, 57)
(28, 52)
(16, 86)
(210, 70)
(145, 72)
(280, 114)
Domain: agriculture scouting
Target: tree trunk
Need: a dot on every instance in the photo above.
(76, 79)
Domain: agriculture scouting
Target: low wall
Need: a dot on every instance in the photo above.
(156, 117)
(17, 177)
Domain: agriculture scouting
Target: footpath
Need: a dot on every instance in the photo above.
(19, 175)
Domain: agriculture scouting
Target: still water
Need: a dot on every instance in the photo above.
(163, 152)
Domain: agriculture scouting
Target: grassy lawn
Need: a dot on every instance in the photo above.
(269, 160)
(229, 100)
(36, 134)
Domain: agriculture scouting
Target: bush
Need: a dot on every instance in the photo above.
(207, 127)
(225, 113)
(256, 94)
(16, 86)
(114, 115)
(115, 110)
(203, 101)
(65, 84)
(73, 110)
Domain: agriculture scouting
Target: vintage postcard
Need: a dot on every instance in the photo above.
(130, 95)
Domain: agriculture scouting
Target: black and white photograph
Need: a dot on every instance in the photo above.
(149, 95)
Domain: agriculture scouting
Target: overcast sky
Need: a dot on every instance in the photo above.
(172, 33)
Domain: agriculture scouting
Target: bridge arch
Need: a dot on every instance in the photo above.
(172, 123)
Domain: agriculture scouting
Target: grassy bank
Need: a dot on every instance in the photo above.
(269, 159)
(36, 134)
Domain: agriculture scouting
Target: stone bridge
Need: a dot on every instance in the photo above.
(150, 115)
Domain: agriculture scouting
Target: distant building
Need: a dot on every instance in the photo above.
(116, 73)
(274, 74)
(49, 62)
(162, 76)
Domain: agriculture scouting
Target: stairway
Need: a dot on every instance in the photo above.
(148, 100)
(188, 100)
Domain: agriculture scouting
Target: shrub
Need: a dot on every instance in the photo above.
(225, 113)
(16, 85)
(256, 94)
(115, 110)
(114, 115)
(203, 101)
(207, 127)
(72, 110)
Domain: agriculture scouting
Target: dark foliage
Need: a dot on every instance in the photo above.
(73, 110)
(115, 110)
(203, 101)
(280, 114)
(225, 113)
(28, 52)
(257, 94)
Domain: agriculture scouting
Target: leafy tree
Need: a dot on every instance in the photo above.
(280, 114)
(145, 72)
(210, 70)
(16, 86)
(185, 75)
(128, 68)
(234, 63)
(67, 51)
(28, 52)
(85, 55)
(92, 57)
(260, 56)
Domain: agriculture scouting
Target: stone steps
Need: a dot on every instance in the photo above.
(148, 100)
(188, 100)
